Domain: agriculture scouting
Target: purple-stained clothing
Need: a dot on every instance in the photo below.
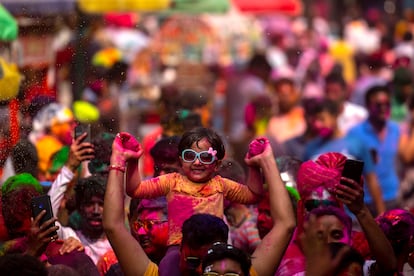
(186, 198)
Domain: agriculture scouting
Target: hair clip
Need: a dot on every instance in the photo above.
(211, 151)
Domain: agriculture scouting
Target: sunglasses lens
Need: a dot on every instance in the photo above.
(189, 155)
(206, 157)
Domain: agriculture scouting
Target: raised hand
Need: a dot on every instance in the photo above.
(351, 194)
(41, 235)
(125, 147)
(79, 152)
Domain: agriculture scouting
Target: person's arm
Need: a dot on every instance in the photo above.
(127, 157)
(255, 180)
(269, 252)
(79, 151)
(352, 195)
(406, 148)
(129, 252)
(375, 191)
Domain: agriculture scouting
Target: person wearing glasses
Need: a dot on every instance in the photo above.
(134, 261)
(198, 189)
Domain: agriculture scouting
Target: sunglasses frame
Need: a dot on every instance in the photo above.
(198, 156)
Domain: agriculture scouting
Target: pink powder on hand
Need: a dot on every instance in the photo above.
(129, 142)
(257, 146)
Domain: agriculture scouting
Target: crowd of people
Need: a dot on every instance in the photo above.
(240, 177)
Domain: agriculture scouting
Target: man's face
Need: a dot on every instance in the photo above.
(91, 212)
(334, 228)
(264, 220)
(335, 92)
(325, 124)
(150, 228)
(190, 259)
(287, 96)
(379, 107)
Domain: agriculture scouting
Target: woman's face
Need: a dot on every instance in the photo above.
(197, 171)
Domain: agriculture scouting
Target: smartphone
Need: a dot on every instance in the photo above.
(39, 204)
(353, 170)
(81, 129)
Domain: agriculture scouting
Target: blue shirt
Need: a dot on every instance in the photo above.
(386, 152)
(348, 146)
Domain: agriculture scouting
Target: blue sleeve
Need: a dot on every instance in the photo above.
(365, 155)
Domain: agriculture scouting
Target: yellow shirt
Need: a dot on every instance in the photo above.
(186, 198)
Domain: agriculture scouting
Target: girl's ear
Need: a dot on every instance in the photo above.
(218, 164)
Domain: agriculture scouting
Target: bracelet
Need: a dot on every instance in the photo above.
(116, 167)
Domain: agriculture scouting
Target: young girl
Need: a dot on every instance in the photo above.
(199, 189)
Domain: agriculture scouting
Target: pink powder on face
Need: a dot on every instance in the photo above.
(257, 146)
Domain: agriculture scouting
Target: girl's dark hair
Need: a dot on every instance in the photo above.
(196, 135)
(220, 251)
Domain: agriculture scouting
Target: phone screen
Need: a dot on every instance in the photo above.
(353, 169)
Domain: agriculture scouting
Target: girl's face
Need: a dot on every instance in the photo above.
(197, 171)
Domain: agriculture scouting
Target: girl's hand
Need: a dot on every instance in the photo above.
(126, 147)
(40, 236)
(71, 244)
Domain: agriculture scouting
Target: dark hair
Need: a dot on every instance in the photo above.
(334, 211)
(204, 229)
(335, 78)
(103, 150)
(196, 135)
(220, 251)
(190, 99)
(166, 150)
(259, 61)
(16, 208)
(351, 256)
(310, 105)
(24, 158)
(327, 105)
(61, 270)
(22, 265)
(374, 90)
(88, 187)
(231, 169)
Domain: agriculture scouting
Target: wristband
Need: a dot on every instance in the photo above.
(116, 167)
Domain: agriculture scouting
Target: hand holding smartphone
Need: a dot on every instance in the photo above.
(39, 204)
(81, 129)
